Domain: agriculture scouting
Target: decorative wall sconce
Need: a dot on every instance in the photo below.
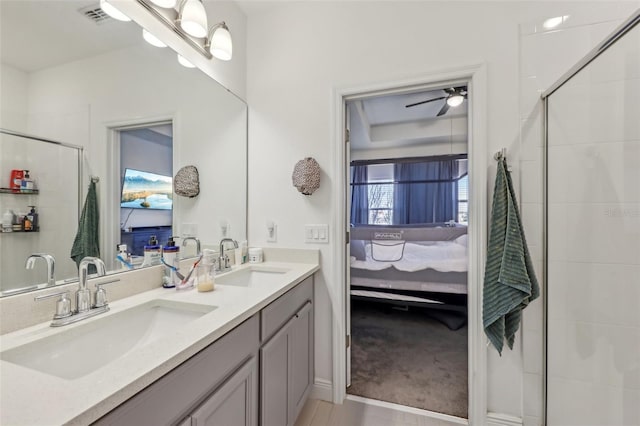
(306, 176)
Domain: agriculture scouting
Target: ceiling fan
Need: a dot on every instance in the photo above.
(455, 96)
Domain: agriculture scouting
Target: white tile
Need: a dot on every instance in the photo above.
(532, 421)
(531, 180)
(603, 233)
(530, 91)
(602, 293)
(620, 61)
(532, 222)
(601, 354)
(533, 398)
(532, 351)
(557, 224)
(576, 403)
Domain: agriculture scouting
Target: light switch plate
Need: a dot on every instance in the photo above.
(316, 233)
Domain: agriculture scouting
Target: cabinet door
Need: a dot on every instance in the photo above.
(233, 404)
(300, 360)
(274, 361)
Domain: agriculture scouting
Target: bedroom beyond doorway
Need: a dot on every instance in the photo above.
(408, 262)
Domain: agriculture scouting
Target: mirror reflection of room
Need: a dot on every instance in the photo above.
(146, 202)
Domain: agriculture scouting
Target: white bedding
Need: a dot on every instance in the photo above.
(443, 256)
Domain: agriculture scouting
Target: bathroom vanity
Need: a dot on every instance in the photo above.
(240, 355)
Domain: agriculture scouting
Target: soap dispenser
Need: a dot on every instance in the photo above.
(152, 252)
(170, 258)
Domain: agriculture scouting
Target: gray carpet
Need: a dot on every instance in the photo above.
(408, 358)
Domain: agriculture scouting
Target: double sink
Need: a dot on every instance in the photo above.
(94, 343)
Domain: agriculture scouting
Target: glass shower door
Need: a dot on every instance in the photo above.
(593, 242)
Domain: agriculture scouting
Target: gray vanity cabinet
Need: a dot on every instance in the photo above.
(286, 363)
(234, 404)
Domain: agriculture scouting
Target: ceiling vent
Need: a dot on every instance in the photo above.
(95, 13)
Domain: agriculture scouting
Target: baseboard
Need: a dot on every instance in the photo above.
(500, 419)
(322, 389)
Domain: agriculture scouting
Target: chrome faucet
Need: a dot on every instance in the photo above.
(198, 250)
(64, 315)
(223, 260)
(51, 265)
(83, 294)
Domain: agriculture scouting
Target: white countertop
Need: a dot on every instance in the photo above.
(29, 397)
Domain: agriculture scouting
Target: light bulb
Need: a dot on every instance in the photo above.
(184, 62)
(221, 44)
(110, 10)
(151, 39)
(193, 19)
(167, 4)
(455, 100)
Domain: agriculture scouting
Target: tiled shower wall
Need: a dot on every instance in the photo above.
(545, 55)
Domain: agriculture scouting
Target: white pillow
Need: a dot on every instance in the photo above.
(462, 240)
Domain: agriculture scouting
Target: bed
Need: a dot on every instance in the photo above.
(413, 265)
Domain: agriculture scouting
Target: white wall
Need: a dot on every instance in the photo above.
(13, 103)
(324, 45)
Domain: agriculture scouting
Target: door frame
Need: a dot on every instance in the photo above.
(478, 157)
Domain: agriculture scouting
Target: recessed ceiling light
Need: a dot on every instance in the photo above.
(554, 22)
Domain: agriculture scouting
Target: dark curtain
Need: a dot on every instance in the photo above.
(417, 201)
(359, 195)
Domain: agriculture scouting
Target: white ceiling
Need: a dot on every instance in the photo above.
(38, 34)
(385, 122)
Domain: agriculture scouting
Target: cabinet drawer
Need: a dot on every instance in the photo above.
(274, 316)
(167, 400)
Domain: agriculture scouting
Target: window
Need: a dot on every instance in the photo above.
(380, 203)
(463, 200)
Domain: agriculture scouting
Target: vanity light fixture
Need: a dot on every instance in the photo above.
(184, 62)
(111, 10)
(192, 18)
(219, 42)
(151, 39)
(455, 100)
(167, 4)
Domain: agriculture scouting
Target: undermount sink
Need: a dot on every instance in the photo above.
(252, 276)
(85, 348)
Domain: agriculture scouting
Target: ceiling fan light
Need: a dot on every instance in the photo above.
(221, 44)
(193, 18)
(184, 62)
(111, 10)
(167, 4)
(455, 100)
(151, 39)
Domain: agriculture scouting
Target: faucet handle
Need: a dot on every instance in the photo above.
(63, 306)
(101, 293)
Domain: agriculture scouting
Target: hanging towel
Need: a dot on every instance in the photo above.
(509, 280)
(86, 242)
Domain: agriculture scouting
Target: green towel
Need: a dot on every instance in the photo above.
(509, 279)
(87, 242)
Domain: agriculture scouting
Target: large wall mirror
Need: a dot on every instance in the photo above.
(73, 76)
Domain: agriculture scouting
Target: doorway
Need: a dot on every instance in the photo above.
(144, 188)
(407, 266)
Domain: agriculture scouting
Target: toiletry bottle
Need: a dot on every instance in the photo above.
(7, 221)
(152, 252)
(170, 254)
(16, 180)
(27, 226)
(205, 271)
(124, 255)
(245, 251)
(26, 184)
(33, 217)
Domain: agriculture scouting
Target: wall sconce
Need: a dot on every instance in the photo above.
(188, 19)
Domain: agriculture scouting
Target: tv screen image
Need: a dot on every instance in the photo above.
(144, 190)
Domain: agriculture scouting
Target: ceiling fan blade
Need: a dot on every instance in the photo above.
(424, 102)
(443, 110)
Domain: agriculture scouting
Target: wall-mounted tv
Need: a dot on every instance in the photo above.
(144, 190)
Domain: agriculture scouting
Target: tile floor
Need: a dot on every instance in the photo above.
(358, 413)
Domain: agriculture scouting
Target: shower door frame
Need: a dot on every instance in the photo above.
(617, 34)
